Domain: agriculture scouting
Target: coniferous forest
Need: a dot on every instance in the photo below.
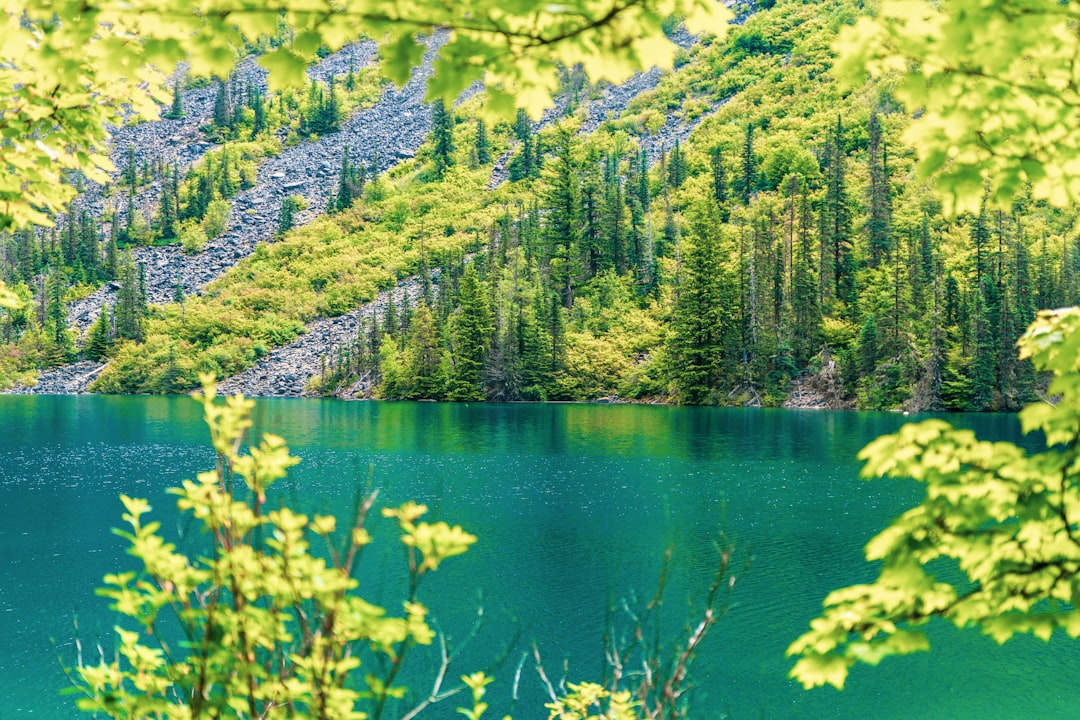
(783, 252)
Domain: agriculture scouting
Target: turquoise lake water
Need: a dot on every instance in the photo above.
(573, 505)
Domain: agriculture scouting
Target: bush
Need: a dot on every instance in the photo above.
(216, 219)
(192, 237)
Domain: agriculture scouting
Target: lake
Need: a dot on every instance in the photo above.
(574, 506)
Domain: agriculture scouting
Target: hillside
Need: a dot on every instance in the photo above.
(734, 232)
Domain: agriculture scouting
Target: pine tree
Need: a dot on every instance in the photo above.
(836, 223)
(99, 339)
(131, 169)
(719, 182)
(130, 306)
(748, 183)
(176, 110)
(483, 147)
(700, 331)
(287, 217)
(259, 122)
(471, 329)
(676, 167)
(422, 359)
(442, 130)
(877, 225)
(563, 216)
(221, 116)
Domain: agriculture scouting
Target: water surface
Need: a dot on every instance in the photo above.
(574, 506)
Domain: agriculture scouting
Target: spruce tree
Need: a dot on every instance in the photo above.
(442, 130)
(349, 187)
(259, 122)
(130, 302)
(676, 167)
(719, 181)
(99, 339)
(471, 329)
(221, 116)
(287, 217)
(563, 216)
(131, 169)
(58, 338)
(226, 185)
(176, 110)
(700, 327)
(748, 182)
(168, 206)
(483, 146)
(806, 328)
(877, 225)
(422, 359)
(89, 256)
(836, 222)
(111, 268)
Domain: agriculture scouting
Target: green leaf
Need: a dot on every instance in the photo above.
(287, 69)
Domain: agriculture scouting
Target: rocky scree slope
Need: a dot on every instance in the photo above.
(391, 130)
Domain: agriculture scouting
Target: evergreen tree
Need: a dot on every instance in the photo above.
(176, 110)
(523, 164)
(806, 326)
(131, 169)
(59, 345)
(169, 206)
(350, 185)
(700, 327)
(99, 338)
(422, 359)
(676, 167)
(442, 130)
(836, 223)
(256, 103)
(89, 257)
(719, 182)
(27, 254)
(222, 115)
(130, 306)
(287, 217)
(563, 216)
(111, 267)
(471, 331)
(483, 147)
(877, 226)
(749, 167)
(226, 185)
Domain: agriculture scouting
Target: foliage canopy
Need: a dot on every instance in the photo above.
(998, 89)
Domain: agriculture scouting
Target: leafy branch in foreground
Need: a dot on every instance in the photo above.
(998, 89)
(1004, 523)
(259, 626)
